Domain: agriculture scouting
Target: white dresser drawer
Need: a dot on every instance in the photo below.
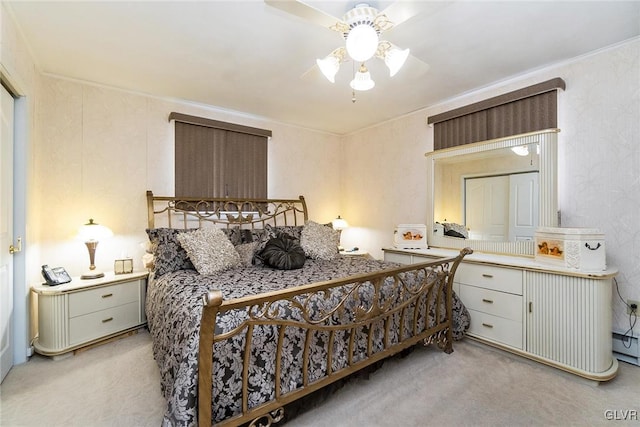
(496, 303)
(104, 322)
(496, 328)
(399, 258)
(490, 277)
(101, 298)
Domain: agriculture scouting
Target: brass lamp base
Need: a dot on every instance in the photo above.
(92, 275)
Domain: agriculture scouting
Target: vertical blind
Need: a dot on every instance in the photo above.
(525, 110)
(226, 160)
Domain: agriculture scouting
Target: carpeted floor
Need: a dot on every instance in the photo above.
(117, 384)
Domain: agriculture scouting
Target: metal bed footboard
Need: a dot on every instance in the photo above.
(386, 325)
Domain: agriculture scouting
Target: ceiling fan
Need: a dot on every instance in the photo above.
(361, 27)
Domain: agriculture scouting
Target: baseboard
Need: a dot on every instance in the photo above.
(626, 347)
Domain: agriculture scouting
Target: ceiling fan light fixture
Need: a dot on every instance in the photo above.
(362, 80)
(395, 59)
(362, 42)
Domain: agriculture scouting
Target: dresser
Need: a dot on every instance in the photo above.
(556, 316)
(83, 312)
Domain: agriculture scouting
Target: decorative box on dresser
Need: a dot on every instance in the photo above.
(84, 312)
(553, 315)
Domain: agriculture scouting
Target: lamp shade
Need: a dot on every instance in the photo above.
(339, 223)
(362, 42)
(395, 59)
(92, 231)
(329, 67)
(362, 80)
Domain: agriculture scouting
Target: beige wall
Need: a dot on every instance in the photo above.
(599, 161)
(94, 151)
(100, 149)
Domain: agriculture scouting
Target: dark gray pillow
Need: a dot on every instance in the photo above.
(168, 254)
(283, 253)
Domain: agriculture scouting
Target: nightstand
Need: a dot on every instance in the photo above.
(85, 312)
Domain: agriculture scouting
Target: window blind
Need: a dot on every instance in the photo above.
(219, 162)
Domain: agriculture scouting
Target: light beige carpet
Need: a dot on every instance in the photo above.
(117, 384)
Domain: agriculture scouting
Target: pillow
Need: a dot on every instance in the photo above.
(255, 234)
(266, 234)
(238, 235)
(246, 251)
(455, 230)
(168, 255)
(293, 231)
(283, 253)
(319, 241)
(210, 250)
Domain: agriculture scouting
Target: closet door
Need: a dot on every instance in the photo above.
(6, 234)
(487, 207)
(523, 205)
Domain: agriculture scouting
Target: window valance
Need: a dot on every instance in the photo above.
(530, 109)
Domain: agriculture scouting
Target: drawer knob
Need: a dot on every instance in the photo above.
(487, 325)
(107, 320)
(488, 301)
(488, 276)
(107, 295)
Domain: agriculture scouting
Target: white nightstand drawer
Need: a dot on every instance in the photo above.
(490, 277)
(101, 298)
(104, 322)
(496, 303)
(496, 328)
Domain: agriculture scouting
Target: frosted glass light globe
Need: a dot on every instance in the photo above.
(362, 42)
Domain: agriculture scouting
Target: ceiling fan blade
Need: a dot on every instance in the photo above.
(401, 11)
(304, 11)
(313, 74)
(415, 67)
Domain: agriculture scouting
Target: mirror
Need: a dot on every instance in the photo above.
(516, 193)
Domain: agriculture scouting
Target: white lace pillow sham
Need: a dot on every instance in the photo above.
(210, 250)
(319, 241)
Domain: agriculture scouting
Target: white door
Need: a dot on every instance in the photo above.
(523, 206)
(6, 234)
(487, 207)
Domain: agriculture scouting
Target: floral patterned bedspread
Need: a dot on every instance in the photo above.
(174, 308)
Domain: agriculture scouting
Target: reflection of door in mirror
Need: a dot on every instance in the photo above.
(494, 200)
(533, 202)
(486, 202)
(502, 208)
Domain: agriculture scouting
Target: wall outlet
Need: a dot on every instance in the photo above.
(632, 302)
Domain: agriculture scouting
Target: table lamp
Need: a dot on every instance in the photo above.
(339, 223)
(91, 233)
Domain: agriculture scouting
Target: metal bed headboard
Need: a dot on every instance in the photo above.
(187, 212)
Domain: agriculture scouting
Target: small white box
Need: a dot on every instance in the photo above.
(410, 236)
(575, 248)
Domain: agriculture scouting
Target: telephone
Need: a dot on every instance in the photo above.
(55, 276)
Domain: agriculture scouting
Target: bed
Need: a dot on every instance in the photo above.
(240, 343)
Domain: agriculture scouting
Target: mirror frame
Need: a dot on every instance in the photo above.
(547, 208)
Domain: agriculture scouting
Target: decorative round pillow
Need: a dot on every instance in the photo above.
(283, 254)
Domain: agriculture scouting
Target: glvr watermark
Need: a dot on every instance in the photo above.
(621, 414)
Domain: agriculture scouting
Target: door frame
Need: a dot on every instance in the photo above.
(22, 348)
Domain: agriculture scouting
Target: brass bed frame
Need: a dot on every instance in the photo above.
(186, 213)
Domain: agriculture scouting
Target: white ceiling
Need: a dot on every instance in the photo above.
(250, 57)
